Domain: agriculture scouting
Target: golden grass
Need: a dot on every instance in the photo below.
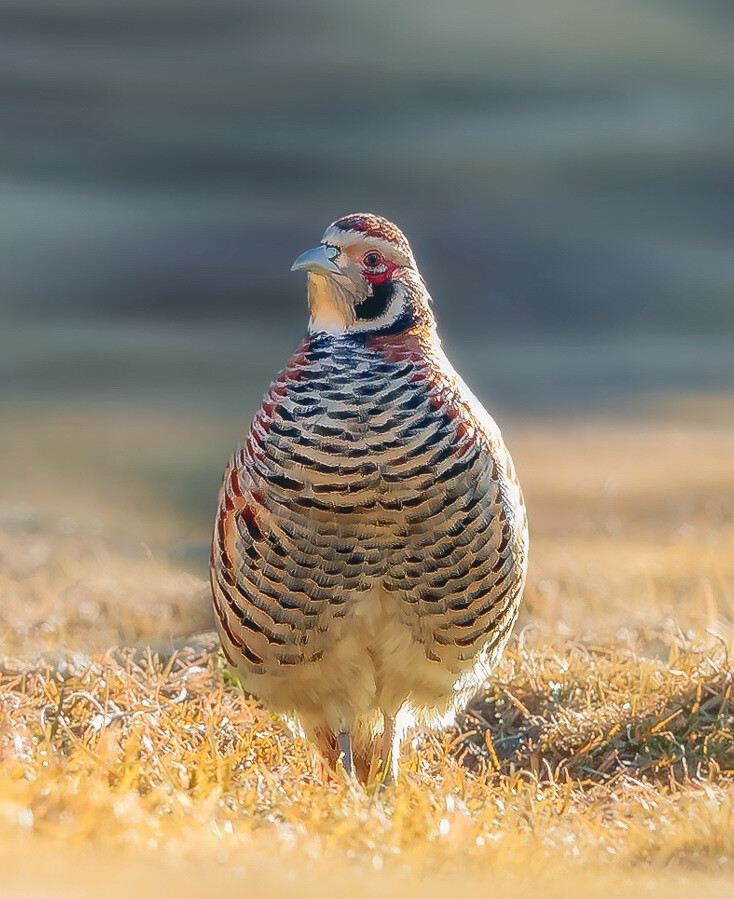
(599, 760)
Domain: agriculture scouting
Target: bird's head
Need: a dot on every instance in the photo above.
(362, 278)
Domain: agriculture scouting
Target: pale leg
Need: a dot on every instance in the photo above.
(381, 767)
(387, 746)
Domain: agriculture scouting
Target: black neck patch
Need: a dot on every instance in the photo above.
(405, 321)
(376, 303)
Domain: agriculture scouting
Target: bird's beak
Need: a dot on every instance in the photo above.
(318, 260)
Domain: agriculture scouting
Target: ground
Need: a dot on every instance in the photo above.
(599, 759)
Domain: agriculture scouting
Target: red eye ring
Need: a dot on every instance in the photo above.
(372, 259)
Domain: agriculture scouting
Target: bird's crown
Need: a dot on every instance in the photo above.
(372, 225)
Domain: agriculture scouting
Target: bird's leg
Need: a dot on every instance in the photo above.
(387, 745)
(344, 746)
(381, 768)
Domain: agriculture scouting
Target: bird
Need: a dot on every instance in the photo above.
(370, 546)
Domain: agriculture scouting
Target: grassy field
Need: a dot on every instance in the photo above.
(600, 759)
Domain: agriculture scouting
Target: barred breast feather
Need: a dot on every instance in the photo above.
(370, 547)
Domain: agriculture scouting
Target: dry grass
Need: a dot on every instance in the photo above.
(599, 760)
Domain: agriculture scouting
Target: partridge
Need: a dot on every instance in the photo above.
(370, 545)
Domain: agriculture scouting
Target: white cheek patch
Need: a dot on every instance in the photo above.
(345, 240)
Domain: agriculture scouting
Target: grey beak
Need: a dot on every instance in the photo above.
(318, 260)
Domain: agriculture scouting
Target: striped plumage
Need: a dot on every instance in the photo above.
(370, 547)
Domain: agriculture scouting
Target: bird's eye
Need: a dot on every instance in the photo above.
(372, 259)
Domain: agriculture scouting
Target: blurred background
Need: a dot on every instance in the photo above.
(563, 168)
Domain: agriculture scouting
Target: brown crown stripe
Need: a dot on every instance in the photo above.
(373, 226)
